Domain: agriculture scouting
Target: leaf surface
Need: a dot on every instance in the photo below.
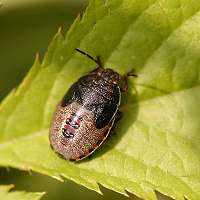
(157, 142)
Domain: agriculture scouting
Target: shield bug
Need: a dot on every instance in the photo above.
(84, 117)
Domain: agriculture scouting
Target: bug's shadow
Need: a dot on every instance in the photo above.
(120, 127)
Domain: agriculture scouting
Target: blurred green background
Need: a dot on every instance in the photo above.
(27, 27)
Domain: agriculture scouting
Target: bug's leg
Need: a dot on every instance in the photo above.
(89, 157)
(118, 116)
(124, 87)
(132, 73)
(113, 133)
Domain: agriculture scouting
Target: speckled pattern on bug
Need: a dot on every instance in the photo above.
(84, 117)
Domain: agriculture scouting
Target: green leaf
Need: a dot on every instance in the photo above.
(6, 194)
(157, 142)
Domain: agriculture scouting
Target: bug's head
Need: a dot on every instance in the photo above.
(110, 76)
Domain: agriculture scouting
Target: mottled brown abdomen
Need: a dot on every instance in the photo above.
(86, 138)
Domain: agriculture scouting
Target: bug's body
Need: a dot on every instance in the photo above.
(85, 116)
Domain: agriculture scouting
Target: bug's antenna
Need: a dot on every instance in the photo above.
(89, 56)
